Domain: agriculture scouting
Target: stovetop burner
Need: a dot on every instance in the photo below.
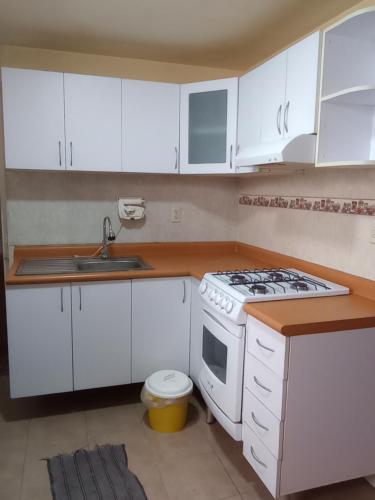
(238, 279)
(276, 275)
(300, 285)
(258, 288)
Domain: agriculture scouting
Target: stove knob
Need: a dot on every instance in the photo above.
(218, 298)
(223, 302)
(214, 296)
(211, 294)
(229, 306)
(203, 287)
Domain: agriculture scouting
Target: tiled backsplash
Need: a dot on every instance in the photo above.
(333, 205)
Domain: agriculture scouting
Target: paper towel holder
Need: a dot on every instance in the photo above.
(131, 208)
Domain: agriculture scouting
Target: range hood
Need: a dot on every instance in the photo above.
(298, 150)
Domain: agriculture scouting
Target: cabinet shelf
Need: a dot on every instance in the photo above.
(361, 95)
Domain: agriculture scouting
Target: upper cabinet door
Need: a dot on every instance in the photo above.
(250, 109)
(301, 87)
(208, 126)
(33, 104)
(93, 123)
(272, 97)
(150, 134)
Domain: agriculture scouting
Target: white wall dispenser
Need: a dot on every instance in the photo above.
(131, 208)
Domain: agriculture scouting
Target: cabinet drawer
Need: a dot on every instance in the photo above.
(264, 384)
(262, 422)
(260, 459)
(267, 345)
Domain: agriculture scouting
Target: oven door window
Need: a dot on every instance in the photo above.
(215, 355)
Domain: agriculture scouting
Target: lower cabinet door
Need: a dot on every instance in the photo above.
(101, 318)
(39, 339)
(160, 326)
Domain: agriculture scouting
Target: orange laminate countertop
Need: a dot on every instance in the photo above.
(312, 315)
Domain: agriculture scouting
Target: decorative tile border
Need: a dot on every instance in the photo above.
(332, 205)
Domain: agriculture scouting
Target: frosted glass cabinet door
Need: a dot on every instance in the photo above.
(208, 126)
(33, 107)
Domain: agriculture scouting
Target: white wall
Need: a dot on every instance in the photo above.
(68, 207)
(336, 240)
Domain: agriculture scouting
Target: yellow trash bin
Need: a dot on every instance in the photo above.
(166, 395)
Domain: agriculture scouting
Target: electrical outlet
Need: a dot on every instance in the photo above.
(372, 232)
(176, 214)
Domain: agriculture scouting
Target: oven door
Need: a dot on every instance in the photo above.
(222, 365)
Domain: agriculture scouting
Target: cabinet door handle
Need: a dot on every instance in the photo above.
(257, 459)
(60, 153)
(230, 156)
(183, 292)
(71, 153)
(279, 118)
(176, 162)
(264, 346)
(256, 421)
(61, 299)
(261, 385)
(286, 116)
(80, 298)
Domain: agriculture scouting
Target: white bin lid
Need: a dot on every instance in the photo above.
(169, 384)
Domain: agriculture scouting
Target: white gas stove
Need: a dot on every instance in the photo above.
(226, 292)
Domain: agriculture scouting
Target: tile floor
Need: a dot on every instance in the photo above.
(202, 462)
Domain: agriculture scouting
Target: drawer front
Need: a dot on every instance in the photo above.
(267, 345)
(264, 384)
(262, 422)
(260, 459)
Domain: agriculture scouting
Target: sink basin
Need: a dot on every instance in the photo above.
(97, 264)
(80, 265)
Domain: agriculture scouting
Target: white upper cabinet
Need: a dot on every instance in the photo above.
(250, 108)
(101, 320)
(208, 124)
(277, 101)
(150, 121)
(273, 97)
(347, 113)
(93, 123)
(33, 107)
(300, 106)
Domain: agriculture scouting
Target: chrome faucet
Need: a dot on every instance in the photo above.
(108, 235)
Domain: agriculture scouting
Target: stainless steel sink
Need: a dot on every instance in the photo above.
(97, 264)
(80, 265)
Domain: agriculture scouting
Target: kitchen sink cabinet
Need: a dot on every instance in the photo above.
(150, 121)
(39, 339)
(101, 325)
(92, 122)
(208, 126)
(33, 109)
(160, 326)
(196, 332)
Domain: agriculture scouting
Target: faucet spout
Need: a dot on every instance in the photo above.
(108, 235)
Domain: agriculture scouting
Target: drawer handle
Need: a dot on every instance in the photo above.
(257, 459)
(261, 385)
(256, 421)
(264, 346)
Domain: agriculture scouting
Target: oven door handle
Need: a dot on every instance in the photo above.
(212, 317)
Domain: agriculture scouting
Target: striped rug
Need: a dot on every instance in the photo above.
(100, 474)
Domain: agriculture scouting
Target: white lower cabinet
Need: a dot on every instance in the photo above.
(101, 320)
(196, 332)
(160, 326)
(39, 339)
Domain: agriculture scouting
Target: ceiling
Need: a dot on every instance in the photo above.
(233, 34)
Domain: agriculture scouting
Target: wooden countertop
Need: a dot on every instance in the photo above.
(313, 315)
